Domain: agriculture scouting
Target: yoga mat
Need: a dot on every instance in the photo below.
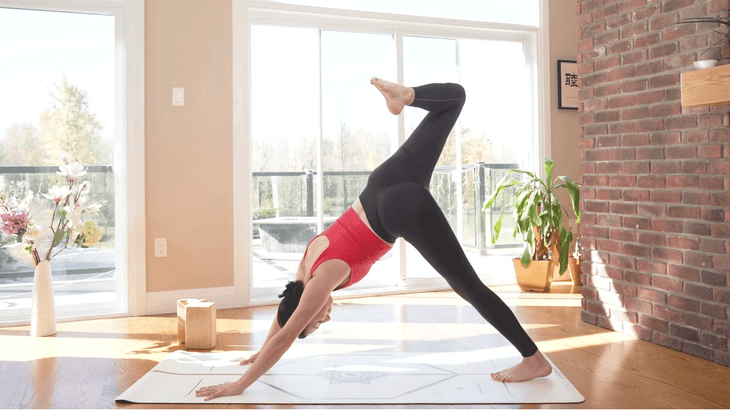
(359, 378)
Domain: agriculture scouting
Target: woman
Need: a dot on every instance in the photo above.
(395, 203)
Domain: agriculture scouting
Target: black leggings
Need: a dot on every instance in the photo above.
(398, 203)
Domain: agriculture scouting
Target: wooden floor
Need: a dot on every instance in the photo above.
(88, 363)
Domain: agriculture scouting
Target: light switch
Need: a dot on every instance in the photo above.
(178, 96)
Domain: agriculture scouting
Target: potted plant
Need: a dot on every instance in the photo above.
(724, 20)
(539, 219)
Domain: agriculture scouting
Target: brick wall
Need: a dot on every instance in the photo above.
(655, 175)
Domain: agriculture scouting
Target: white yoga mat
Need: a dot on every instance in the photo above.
(402, 378)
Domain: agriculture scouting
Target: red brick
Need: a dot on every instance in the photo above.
(629, 5)
(667, 226)
(649, 153)
(595, 130)
(714, 310)
(699, 321)
(622, 235)
(666, 197)
(594, 180)
(711, 183)
(622, 101)
(596, 206)
(623, 208)
(695, 136)
(697, 228)
(680, 123)
(607, 116)
(636, 195)
(695, 167)
(620, 128)
(607, 90)
(633, 57)
(683, 303)
(685, 273)
(721, 167)
(635, 113)
(623, 154)
(666, 254)
(699, 291)
(651, 210)
(609, 324)
(667, 341)
(635, 140)
(651, 239)
(699, 260)
(652, 181)
(683, 243)
(652, 295)
(618, 21)
(629, 86)
(635, 168)
(619, 47)
(666, 167)
(663, 21)
(649, 125)
(665, 138)
(660, 51)
(665, 110)
(667, 284)
(654, 323)
(637, 223)
(709, 245)
(637, 277)
(610, 62)
(714, 151)
(697, 198)
(712, 340)
(588, 318)
(715, 215)
(683, 332)
(681, 152)
(682, 181)
(668, 314)
(622, 261)
(679, 62)
(721, 262)
(710, 120)
(697, 350)
(683, 212)
(720, 135)
(608, 194)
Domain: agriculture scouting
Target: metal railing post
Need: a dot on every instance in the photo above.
(310, 193)
(481, 214)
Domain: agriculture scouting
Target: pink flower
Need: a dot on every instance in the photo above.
(14, 221)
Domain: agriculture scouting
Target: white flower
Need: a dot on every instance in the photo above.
(32, 232)
(57, 193)
(64, 157)
(72, 171)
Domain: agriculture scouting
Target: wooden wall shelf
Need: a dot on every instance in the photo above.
(706, 87)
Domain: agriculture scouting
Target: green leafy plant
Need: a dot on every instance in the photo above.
(538, 213)
(723, 19)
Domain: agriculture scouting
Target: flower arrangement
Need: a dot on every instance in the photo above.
(40, 229)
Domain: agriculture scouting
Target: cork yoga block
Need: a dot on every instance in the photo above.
(181, 304)
(200, 332)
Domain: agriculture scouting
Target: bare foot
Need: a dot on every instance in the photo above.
(396, 96)
(530, 368)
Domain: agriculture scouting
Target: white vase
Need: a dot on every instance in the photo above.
(43, 304)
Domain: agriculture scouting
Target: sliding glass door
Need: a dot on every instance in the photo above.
(319, 128)
(60, 78)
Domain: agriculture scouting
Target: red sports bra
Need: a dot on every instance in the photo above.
(352, 242)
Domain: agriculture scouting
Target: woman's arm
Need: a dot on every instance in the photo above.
(275, 327)
(315, 295)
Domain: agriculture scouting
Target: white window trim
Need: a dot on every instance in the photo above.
(248, 12)
(130, 109)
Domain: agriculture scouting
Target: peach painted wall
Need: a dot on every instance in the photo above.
(563, 123)
(189, 161)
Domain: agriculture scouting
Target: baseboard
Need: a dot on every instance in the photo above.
(165, 302)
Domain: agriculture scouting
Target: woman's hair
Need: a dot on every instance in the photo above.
(291, 296)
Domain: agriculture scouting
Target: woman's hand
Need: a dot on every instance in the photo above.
(221, 390)
(249, 360)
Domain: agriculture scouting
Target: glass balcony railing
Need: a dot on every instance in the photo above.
(288, 199)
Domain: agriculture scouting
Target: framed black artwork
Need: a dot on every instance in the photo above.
(567, 84)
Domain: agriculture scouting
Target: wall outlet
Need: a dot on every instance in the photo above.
(160, 247)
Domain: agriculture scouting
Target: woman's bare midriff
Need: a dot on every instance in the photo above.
(319, 244)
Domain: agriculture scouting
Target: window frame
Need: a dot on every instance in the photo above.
(128, 159)
(253, 12)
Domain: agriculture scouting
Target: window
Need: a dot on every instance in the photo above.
(319, 128)
(64, 82)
